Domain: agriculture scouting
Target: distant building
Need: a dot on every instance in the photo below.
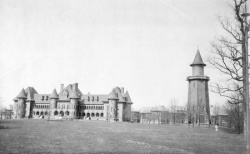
(198, 96)
(162, 115)
(135, 117)
(71, 103)
(6, 114)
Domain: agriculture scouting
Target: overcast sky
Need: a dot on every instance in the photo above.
(145, 46)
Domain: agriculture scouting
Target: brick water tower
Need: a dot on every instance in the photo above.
(198, 96)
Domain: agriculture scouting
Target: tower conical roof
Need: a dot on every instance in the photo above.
(113, 95)
(22, 94)
(74, 94)
(198, 60)
(54, 95)
(29, 97)
(127, 96)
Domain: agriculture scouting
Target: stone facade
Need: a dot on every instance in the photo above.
(198, 96)
(70, 103)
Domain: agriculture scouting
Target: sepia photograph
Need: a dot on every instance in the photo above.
(124, 76)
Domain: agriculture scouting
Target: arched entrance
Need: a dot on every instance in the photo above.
(88, 114)
(97, 114)
(62, 113)
(55, 113)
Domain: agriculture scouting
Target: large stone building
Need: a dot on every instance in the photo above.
(198, 98)
(71, 103)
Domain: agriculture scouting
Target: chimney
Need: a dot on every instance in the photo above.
(122, 89)
(75, 86)
(62, 86)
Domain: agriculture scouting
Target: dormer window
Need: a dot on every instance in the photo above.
(42, 98)
(93, 98)
(88, 98)
(47, 97)
(97, 98)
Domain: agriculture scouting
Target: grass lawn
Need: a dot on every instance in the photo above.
(41, 136)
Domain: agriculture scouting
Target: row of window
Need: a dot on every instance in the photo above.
(67, 106)
(91, 107)
(67, 113)
(42, 106)
(93, 98)
(45, 98)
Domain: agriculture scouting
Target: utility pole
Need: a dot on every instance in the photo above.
(245, 73)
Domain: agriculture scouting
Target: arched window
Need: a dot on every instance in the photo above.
(46, 112)
(83, 114)
(42, 98)
(94, 107)
(55, 113)
(97, 98)
(92, 114)
(62, 113)
(41, 113)
(88, 98)
(97, 114)
(67, 112)
(88, 114)
(101, 114)
(37, 113)
(93, 98)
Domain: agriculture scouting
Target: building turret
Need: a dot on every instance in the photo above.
(21, 104)
(73, 104)
(53, 104)
(112, 110)
(198, 97)
(198, 65)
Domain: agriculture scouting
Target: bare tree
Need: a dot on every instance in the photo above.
(173, 107)
(235, 116)
(227, 55)
(226, 52)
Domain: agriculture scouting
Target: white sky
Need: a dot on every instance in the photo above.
(145, 46)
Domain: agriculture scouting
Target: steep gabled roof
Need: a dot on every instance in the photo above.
(74, 94)
(113, 95)
(22, 94)
(54, 95)
(119, 95)
(198, 60)
(69, 90)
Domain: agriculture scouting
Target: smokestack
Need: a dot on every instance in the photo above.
(62, 86)
(122, 89)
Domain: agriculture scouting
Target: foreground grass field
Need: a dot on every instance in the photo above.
(41, 136)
